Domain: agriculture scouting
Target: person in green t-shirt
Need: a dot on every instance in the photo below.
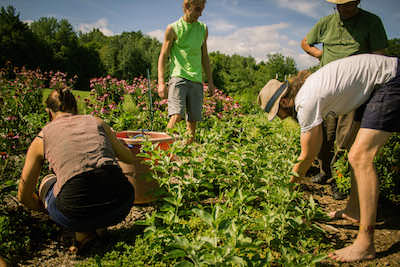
(185, 43)
(349, 31)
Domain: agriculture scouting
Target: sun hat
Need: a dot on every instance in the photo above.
(340, 1)
(270, 95)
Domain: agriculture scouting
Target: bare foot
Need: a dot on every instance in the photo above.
(343, 214)
(354, 252)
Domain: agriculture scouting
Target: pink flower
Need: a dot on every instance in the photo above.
(3, 155)
(11, 118)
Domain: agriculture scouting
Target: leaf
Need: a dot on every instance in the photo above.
(318, 258)
(174, 254)
(204, 215)
(238, 261)
(184, 264)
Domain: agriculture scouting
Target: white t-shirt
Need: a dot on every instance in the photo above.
(341, 87)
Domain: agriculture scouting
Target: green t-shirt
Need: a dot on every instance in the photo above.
(186, 51)
(363, 33)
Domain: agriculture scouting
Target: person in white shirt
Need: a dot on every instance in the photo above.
(367, 83)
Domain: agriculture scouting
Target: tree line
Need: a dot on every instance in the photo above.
(53, 45)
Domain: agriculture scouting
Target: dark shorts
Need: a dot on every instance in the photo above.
(382, 111)
(106, 205)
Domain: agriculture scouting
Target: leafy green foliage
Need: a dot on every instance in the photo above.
(387, 165)
(393, 48)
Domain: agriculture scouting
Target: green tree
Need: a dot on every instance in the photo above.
(94, 39)
(393, 48)
(280, 67)
(68, 55)
(130, 54)
(17, 43)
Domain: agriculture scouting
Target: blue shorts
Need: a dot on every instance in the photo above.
(382, 111)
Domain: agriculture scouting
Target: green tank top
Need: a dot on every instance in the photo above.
(186, 53)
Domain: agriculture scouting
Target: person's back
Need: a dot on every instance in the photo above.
(342, 86)
(75, 144)
(88, 191)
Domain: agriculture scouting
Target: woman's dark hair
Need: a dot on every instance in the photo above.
(62, 100)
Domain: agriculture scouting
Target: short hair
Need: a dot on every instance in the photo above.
(62, 100)
(187, 3)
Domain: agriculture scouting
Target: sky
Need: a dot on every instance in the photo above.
(246, 27)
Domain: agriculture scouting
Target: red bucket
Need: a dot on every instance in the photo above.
(136, 172)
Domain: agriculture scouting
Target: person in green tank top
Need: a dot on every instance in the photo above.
(185, 44)
(349, 31)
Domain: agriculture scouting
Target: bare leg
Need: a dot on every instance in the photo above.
(352, 210)
(191, 128)
(3, 262)
(173, 120)
(361, 156)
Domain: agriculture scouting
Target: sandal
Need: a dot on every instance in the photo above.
(78, 247)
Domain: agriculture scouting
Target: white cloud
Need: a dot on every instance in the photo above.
(311, 8)
(256, 42)
(29, 22)
(260, 41)
(158, 34)
(220, 25)
(101, 24)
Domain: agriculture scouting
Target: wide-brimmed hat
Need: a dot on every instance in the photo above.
(340, 1)
(270, 95)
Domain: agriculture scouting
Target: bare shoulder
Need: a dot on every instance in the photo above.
(170, 34)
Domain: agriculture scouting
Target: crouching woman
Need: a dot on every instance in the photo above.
(88, 190)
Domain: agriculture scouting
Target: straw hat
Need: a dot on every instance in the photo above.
(340, 1)
(270, 95)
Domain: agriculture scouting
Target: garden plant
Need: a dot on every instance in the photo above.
(227, 200)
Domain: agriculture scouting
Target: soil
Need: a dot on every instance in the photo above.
(54, 251)
(341, 233)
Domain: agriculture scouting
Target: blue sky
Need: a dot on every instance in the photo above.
(246, 27)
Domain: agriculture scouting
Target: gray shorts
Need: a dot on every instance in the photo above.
(185, 95)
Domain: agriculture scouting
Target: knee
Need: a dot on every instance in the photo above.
(359, 158)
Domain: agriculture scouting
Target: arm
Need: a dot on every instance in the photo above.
(310, 49)
(122, 152)
(30, 175)
(169, 39)
(205, 61)
(311, 142)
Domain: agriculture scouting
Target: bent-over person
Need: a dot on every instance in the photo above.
(367, 83)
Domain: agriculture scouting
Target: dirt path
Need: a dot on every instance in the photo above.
(342, 232)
